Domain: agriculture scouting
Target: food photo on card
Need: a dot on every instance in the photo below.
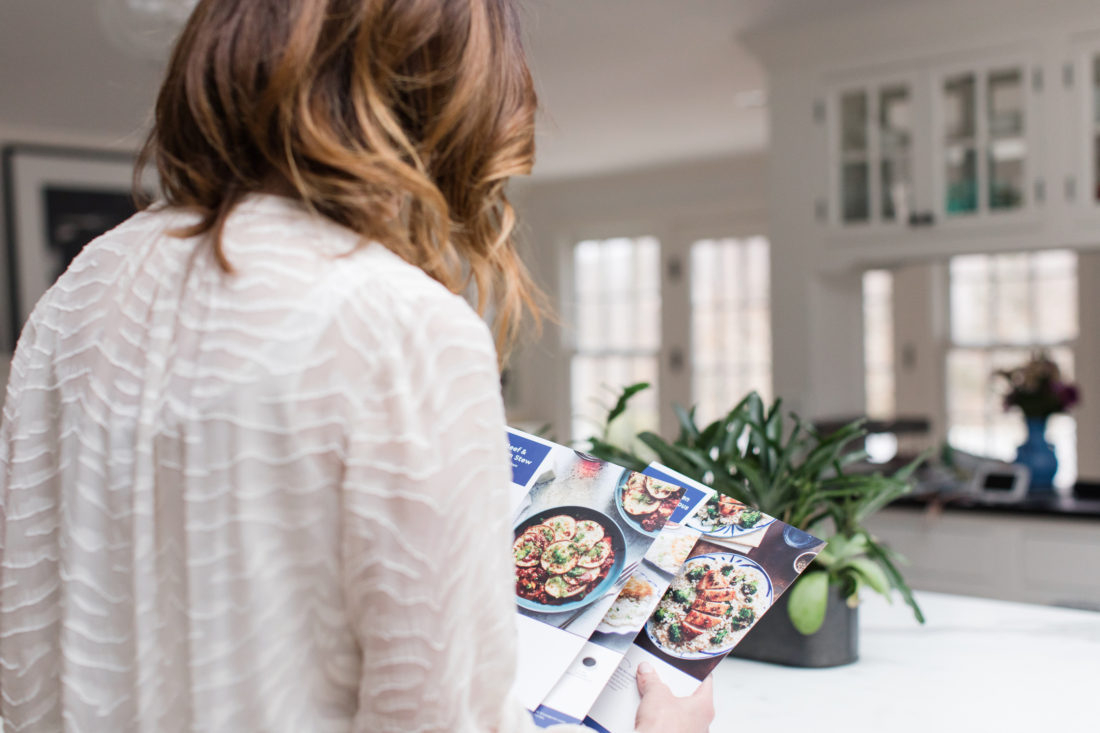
(581, 528)
(574, 694)
(741, 562)
(720, 593)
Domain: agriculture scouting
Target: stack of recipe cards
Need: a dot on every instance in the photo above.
(582, 528)
(615, 567)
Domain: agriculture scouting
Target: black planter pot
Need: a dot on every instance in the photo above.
(774, 639)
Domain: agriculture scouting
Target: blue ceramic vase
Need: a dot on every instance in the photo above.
(1038, 455)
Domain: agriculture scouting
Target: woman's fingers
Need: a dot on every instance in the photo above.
(704, 699)
(662, 712)
(648, 679)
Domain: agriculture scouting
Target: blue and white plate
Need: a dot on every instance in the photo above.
(736, 560)
(726, 530)
(632, 521)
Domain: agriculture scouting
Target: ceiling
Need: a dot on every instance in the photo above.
(622, 83)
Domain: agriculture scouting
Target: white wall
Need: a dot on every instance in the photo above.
(1088, 366)
(919, 328)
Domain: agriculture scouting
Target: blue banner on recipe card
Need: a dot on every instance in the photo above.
(545, 717)
(527, 456)
(692, 494)
(593, 724)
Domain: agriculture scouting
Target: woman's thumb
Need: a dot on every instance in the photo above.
(645, 677)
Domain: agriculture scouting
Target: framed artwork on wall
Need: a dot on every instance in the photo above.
(56, 200)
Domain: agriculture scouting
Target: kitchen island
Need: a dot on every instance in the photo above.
(976, 665)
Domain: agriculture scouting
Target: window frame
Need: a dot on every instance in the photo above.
(675, 236)
(742, 304)
(948, 345)
(570, 338)
(889, 367)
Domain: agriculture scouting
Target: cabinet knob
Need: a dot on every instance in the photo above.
(922, 219)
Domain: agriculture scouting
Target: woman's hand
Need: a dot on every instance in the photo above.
(662, 712)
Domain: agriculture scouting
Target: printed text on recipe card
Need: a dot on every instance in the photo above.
(527, 456)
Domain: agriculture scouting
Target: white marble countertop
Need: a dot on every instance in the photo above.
(976, 665)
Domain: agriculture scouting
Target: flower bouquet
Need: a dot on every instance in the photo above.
(1037, 387)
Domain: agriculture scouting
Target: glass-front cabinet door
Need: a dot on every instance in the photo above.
(855, 157)
(984, 131)
(1094, 126)
(894, 121)
(960, 158)
(1006, 149)
(873, 158)
(1088, 154)
(1081, 151)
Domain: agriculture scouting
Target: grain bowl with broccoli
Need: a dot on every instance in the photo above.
(710, 605)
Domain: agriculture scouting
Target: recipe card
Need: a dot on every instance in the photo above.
(742, 561)
(581, 528)
(575, 693)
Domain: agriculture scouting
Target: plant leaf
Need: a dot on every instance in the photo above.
(880, 553)
(809, 597)
(667, 453)
(754, 482)
(614, 454)
(872, 574)
(689, 433)
(620, 406)
(733, 425)
(906, 472)
(707, 438)
(889, 490)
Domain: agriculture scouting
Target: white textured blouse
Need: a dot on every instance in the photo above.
(268, 501)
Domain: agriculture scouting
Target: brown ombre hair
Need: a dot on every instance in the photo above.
(399, 119)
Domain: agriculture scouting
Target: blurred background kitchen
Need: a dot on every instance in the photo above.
(865, 207)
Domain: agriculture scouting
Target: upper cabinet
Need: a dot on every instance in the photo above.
(873, 153)
(1082, 78)
(985, 132)
(927, 130)
(1090, 96)
(942, 146)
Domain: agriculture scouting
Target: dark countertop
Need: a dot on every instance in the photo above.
(1054, 507)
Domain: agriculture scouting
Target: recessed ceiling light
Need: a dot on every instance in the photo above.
(146, 28)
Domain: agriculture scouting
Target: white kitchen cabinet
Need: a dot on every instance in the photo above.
(1081, 184)
(1037, 559)
(945, 146)
(872, 152)
(986, 126)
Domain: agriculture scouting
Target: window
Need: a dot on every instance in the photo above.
(878, 343)
(730, 324)
(1002, 307)
(616, 317)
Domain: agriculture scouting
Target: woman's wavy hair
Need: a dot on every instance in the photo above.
(402, 120)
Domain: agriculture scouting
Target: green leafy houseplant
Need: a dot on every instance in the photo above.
(796, 474)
